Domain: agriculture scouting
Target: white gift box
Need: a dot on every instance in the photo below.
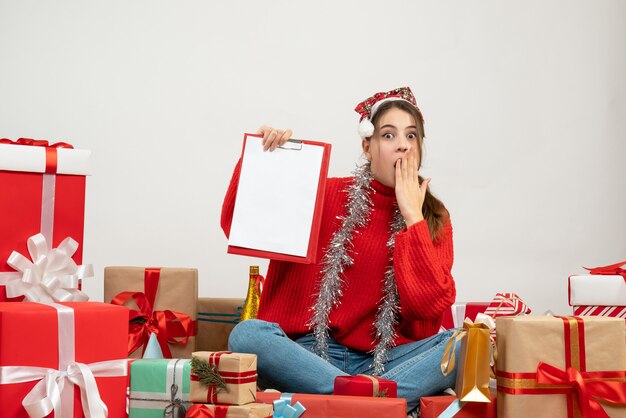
(597, 290)
(32, 159)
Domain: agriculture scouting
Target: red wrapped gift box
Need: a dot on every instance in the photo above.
(364, 385)
(433, 406)
(337, 406)
(36, 339)
(43, 190)
(454, 317)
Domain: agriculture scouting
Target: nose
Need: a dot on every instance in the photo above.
(403, 144)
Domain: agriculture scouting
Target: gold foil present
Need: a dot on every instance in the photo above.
(232, 378)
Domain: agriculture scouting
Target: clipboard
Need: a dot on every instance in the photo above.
(279, 202)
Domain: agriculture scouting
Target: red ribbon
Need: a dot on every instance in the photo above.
(586, 390)
(611, 269)
(259, 283)
(51, 150)
(587, 386)
(35, 143)
(230, 378)
(169, 326)
(202, 411)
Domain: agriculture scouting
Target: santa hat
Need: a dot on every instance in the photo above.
(368, 107)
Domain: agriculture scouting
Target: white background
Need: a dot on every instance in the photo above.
(525, 104)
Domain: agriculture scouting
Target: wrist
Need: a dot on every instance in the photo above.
(413, 218)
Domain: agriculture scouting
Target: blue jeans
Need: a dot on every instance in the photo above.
(291, 366)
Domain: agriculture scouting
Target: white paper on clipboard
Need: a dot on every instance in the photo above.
(276, 197)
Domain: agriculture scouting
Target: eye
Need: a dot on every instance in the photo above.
(388, 135)
(412, 136)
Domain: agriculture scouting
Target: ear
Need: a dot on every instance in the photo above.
(365, 144)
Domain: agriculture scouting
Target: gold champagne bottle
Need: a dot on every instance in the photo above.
(251, 305)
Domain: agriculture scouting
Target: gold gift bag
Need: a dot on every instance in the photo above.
(473, 371)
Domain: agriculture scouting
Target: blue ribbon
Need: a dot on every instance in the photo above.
(284, 409)
(452, 409)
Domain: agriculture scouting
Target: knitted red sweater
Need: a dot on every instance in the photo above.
(422, 269)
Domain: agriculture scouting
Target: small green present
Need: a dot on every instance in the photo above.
(159, 387)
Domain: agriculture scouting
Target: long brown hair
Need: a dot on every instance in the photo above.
(433, 209)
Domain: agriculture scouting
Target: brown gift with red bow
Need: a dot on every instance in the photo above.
(223, 377)
(561, 367)
(162, 301)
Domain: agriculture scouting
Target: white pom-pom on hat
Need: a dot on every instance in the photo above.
(366, 128)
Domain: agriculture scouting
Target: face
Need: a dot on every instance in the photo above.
(395, 133)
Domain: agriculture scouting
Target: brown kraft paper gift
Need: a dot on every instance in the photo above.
(251, 410)
(177, 291)
(237, 375)
(584, 345)
(216, 319)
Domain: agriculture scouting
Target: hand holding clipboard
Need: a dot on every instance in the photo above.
(279, 220)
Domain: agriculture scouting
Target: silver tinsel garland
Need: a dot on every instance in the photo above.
(337, 259)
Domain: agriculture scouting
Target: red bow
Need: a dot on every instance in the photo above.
(35, 143)
(586, 391)
(169, 326)
(611, 269)
(202, 411)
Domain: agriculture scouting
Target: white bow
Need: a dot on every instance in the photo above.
(45, 397)
(51, 276)
(481, 318)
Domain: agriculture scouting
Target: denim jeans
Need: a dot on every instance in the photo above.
(291, 366)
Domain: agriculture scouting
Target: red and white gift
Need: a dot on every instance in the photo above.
(58, 358)
(506, 304)
(603, 286)
(459, 312)
(610, 311)
(43, 188)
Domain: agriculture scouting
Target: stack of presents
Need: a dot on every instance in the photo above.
(155, 349)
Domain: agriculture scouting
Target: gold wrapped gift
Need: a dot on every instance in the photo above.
(223, 377)
(561, 367)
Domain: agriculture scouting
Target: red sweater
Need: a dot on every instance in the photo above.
(422, 269)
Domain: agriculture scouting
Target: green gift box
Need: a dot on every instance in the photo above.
(159, 386)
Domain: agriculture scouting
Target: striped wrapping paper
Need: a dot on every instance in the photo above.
(506, 304)
(612, 311)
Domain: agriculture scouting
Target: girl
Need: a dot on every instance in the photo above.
(372, 303)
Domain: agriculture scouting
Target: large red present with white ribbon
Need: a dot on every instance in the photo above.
(603, 286)
(58, 358)
(43, 191)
